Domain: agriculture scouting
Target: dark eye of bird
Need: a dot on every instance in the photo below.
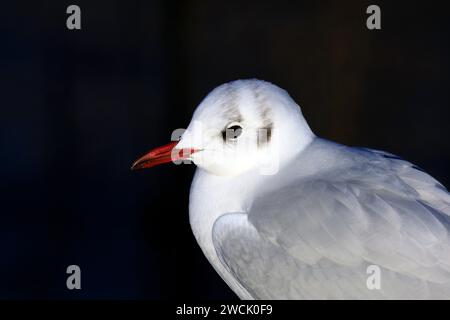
(232, 132)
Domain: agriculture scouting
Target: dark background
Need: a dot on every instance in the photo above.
(78, 107)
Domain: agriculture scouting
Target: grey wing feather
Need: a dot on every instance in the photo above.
(385, 212)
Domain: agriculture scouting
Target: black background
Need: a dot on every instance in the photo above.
(78, 107)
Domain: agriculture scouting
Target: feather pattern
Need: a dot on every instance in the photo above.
(315, 236)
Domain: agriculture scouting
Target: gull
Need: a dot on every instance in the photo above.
(283, 214)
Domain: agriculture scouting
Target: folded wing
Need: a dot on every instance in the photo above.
(315, 237)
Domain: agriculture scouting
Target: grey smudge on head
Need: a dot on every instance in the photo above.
(230, 106)
(265, 132)
(230, 110)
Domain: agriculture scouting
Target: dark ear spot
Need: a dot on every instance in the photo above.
(264, 135)
(265, 132)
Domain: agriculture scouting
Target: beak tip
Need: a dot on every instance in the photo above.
(135, 166)
(157, 156)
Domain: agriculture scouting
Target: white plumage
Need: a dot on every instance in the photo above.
(310, 229)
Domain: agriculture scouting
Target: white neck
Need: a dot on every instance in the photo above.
(212, 196)
(207, 203)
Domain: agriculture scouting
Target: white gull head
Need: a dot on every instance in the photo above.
(243, 125)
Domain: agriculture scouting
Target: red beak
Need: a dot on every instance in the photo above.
(160, 155)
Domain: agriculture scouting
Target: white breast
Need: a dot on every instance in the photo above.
(210, 197)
